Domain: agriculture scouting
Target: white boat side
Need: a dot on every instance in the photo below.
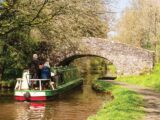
(32, 93)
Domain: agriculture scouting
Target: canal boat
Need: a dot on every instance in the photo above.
(64, 79)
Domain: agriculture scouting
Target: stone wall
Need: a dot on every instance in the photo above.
(128, 60)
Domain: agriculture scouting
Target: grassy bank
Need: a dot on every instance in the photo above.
(126, 105)
(151, 80)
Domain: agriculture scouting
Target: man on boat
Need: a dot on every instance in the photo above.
(34, 67)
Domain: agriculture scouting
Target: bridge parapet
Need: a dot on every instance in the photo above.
(128, 60)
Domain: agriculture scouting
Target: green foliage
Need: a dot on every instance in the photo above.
(104, 86)
(69, 73)
(93, 65)
(15, 54)
(77, 19)
(111, 69)
(126, 105)
(7, 84)
(4, 4)
(97, 65)
(139, 25)
(60, 23)
(149, 80)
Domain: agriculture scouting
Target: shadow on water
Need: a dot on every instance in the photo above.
(107, 78)
(77, 104)
(6, 96)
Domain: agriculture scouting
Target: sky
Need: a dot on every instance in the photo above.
(118, 6)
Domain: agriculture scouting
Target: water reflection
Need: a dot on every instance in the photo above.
(37, 111)
(77, 104)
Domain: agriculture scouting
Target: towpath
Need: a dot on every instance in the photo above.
(151, 98)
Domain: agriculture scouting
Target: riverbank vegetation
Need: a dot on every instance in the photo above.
(126, 104)
(7, 84)
(93, 65)
(139, 25)
(151, 79)
(45, 27)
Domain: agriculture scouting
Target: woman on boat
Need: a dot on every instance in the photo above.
(45, 73)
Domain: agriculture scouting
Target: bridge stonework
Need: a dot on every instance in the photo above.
(128, 60)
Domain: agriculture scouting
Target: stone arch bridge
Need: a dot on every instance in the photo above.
(128, 60)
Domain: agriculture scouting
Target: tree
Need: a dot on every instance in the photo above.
(140, 20)
(81, 18)
(140, 25)
(60, 23)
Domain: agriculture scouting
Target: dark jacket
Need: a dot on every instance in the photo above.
(34, 69)
(45, 73)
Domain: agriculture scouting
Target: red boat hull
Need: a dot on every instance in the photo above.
(36, 98)
(21, 95)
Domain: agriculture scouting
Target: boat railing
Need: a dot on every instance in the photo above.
(66, 73)
(62, 75)
(30, 83)
(40, 82)
(19, 83)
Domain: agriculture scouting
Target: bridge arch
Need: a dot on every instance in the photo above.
(70, 59)
(128, 60)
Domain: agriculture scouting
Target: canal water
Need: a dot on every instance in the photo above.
(77, 104)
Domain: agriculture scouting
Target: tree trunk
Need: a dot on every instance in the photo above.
(1, 70)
